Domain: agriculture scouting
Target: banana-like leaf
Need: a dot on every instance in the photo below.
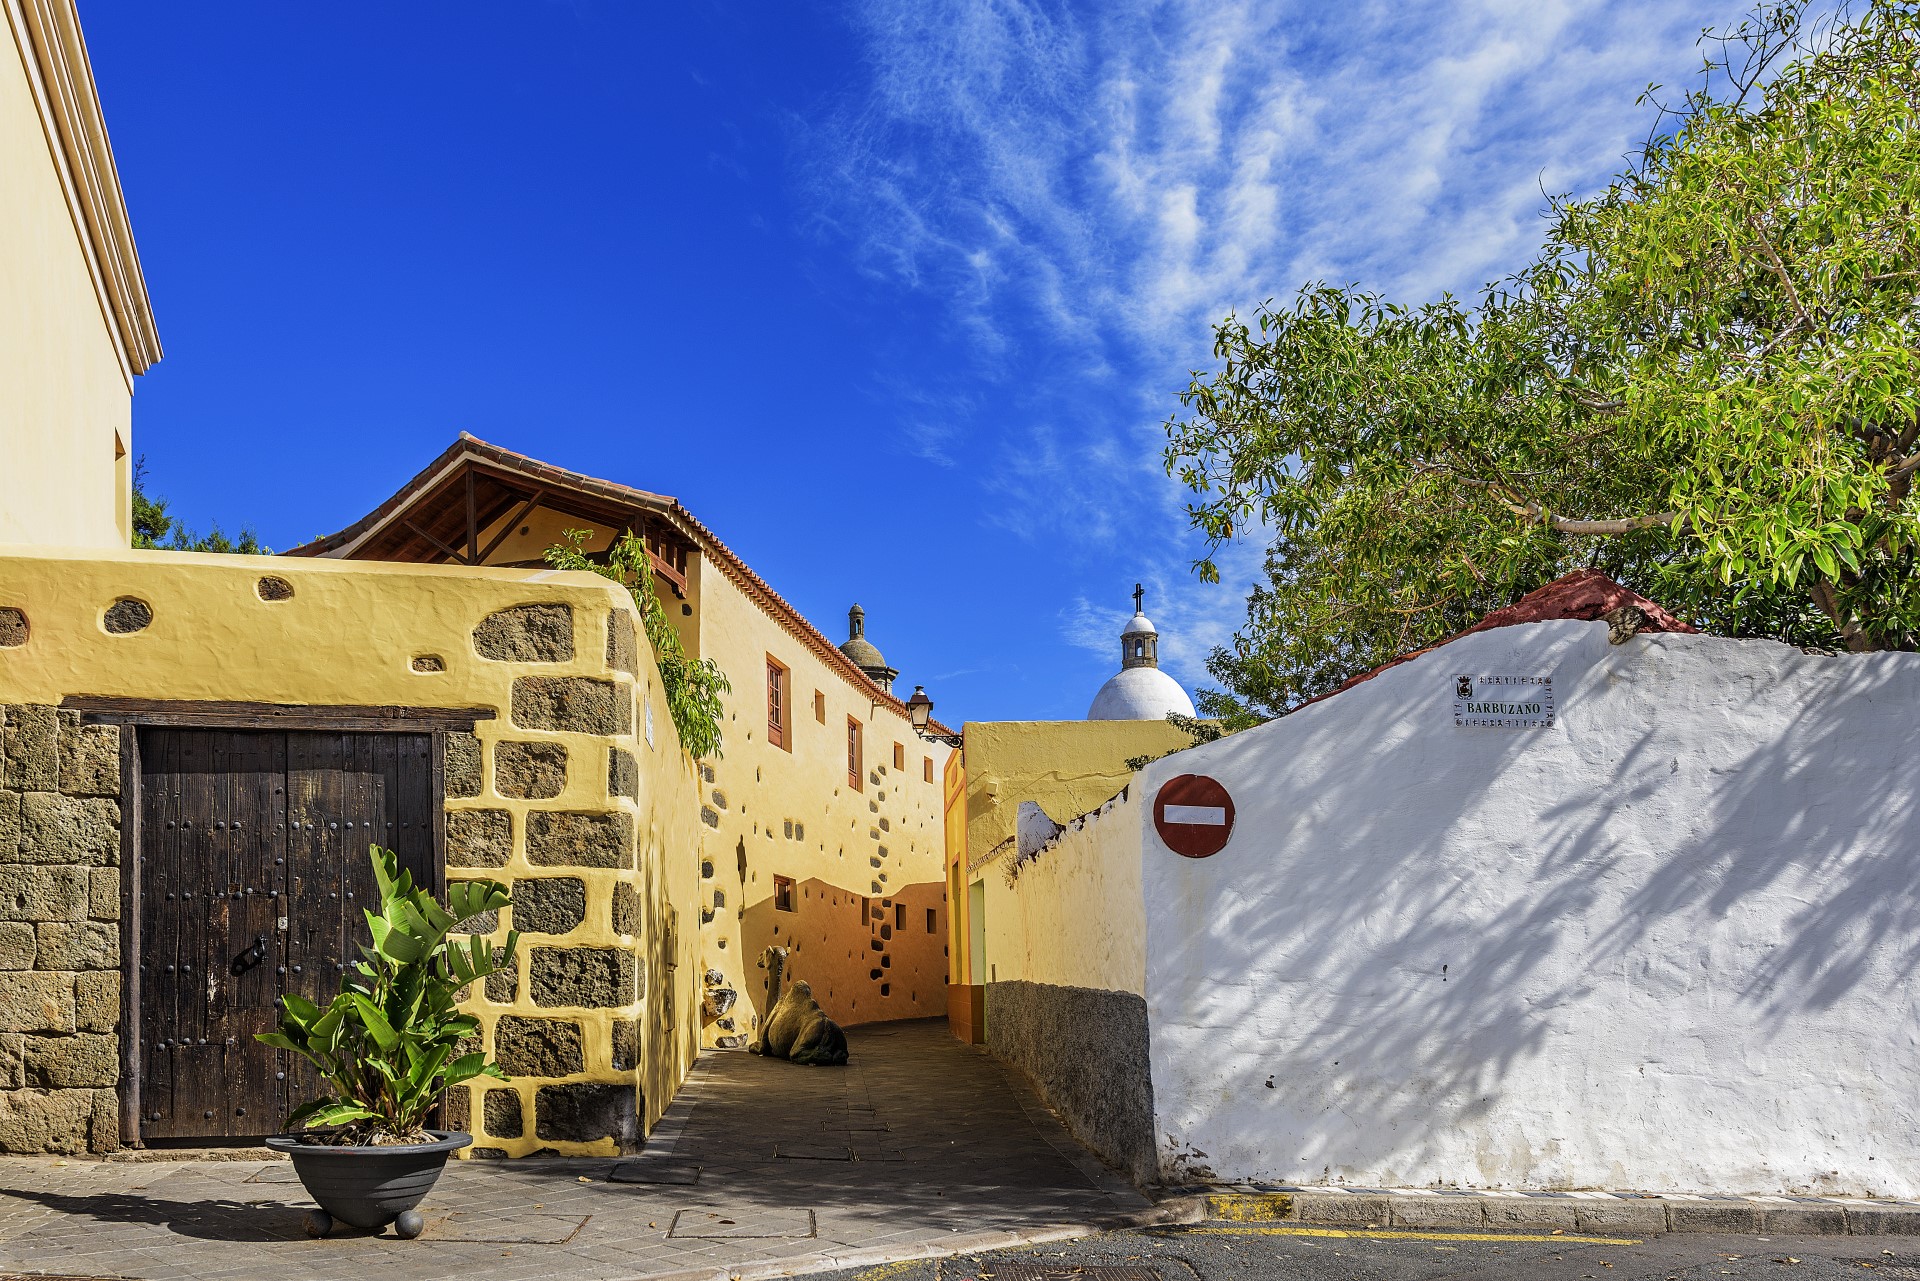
(394, 944)
(468, 1066)
(376, 1023)
(331, 1113)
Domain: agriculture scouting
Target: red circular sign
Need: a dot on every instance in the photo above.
(1194, 815)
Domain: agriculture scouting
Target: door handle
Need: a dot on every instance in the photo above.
(251, 957)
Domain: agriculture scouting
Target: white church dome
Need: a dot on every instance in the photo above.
(1139, 694)
(1139, 691)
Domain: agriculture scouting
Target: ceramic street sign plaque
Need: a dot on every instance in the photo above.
(1194, 815)
(1503, 702)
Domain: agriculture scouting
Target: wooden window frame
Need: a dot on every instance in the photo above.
(899, 757)
(820, 706)
(927, 770)
(783, 896)
(856, 755)
(779, 704)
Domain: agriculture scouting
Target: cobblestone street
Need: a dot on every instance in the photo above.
(921, 1145)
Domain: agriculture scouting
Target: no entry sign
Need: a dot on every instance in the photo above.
(1194, 815)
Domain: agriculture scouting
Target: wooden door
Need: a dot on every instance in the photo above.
(253, 873)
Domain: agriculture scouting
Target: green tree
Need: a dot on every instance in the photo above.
(693, 686)
(154, 529)
(1705, 384)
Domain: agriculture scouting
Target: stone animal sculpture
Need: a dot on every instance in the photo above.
(796, 1028)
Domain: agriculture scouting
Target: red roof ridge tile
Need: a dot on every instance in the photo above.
(1585, 595)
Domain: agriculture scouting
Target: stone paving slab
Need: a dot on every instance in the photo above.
(944, 1152)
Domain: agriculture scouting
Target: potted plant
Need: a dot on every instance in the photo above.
(386, 1045)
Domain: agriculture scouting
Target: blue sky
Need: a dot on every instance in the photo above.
(894, 296)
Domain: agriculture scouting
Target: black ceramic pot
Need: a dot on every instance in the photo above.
(370, 1187)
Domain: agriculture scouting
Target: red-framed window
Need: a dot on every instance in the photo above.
(779, 704)
(856, 766)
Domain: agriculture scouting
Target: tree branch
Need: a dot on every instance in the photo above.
(1539, 515)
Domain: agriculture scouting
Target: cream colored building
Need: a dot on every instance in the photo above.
(75, 326)
(821, 822)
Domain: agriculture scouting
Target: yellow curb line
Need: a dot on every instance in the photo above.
(889, 1270)
(1385, 1234)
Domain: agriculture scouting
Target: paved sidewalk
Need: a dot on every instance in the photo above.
(921, 1147)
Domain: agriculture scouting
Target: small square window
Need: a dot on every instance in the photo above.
(783, 894)
(932, 921)
(900, 915)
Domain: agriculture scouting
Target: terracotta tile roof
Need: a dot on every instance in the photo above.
(1585, 595)
(470, 447)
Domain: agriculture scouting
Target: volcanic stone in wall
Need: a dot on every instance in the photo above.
(128, 614)
(479, 838)
(36, 1002)
(72, 1062)
(582, 1113)
(626, 909)
(89, 758)
(456, 1107)
(96, 1001)
(66, 829)
(549, 904)
(538, 1047)
(623, 774)
(30, 754)
(273, 589)
(588, 977)
(59, 1121)
(579, 704)
(526, 634)
(42, 893)
(530, 771)
(502, 1114)
(16, 946)
(463, 764)
(13, 627)
(560, 838)
(626, 1044)
(77, 945)
(503, 985)
(623, 650)
(9, 825)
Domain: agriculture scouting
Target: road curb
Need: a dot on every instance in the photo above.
(1625, 1212)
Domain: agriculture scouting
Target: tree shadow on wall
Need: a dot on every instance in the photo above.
(1406, 988)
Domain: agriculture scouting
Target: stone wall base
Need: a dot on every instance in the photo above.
(1086, 1054)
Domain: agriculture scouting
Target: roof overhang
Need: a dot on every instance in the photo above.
(60, 77)
(442, 514)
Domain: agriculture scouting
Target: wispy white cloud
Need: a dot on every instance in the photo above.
(1087, 188)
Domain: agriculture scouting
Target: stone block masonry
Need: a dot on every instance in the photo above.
(549, 799)
(554, 790)
(59, 931)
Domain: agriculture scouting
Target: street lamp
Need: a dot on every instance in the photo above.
(920, 712)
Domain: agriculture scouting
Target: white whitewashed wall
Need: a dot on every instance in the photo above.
(1668, 943)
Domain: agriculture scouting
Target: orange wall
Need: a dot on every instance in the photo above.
(867, 958)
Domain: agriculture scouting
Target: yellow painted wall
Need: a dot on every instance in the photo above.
(349, 635)
(1074, 914)
(1068, 768)
(1065, 767)
(757, 789)
(65, 401)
